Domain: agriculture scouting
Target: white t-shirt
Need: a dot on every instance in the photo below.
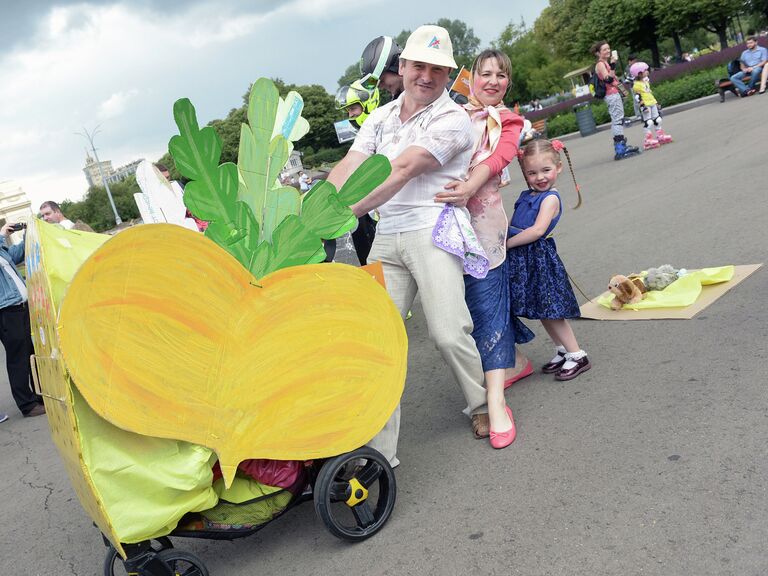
(67, 224)
(444, 130)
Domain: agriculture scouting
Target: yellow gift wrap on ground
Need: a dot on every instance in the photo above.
(682, 292)
(681, 300)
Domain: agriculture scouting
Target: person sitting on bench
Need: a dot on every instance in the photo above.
(752, 61)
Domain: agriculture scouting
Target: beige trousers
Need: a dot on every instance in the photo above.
(412, 263)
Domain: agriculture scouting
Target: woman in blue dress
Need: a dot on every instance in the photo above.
(539, 286)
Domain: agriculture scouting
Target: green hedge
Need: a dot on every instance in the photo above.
(668, 93)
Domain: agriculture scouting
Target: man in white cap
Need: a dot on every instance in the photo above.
(428, 139)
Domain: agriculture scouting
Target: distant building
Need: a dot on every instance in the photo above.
(294, 165)
(93, 176)
(14, 206)
(124, 171)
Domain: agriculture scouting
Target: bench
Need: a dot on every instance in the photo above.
(725, 85)
(538, 129)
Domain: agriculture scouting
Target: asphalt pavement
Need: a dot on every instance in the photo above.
(655, 462)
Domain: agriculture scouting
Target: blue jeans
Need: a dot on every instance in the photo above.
(754, 79)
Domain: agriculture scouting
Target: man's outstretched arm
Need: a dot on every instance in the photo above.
(412, 162)
(344, 169)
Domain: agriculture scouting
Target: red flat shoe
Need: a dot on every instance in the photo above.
(527, 371)
(503, 439)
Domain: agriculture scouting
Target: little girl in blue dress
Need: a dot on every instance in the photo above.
(538, 281)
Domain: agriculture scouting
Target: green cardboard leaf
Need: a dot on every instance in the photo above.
(259, 172)
(194, 151)
(370, 174)
(282, 202)
(264, 225)
(324, 214)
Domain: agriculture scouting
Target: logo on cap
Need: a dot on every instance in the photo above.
(434, 43)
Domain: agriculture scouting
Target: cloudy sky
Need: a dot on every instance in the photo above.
(66, 66)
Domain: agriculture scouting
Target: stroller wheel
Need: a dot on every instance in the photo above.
(113, 564)
(183, 563)
(355, 494)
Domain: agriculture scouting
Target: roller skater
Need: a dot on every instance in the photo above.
(649, 108)
(614, 90)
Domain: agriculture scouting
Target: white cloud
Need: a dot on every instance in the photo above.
(115, 105)
(123, 66)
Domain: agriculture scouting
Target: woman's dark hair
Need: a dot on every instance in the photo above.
(596, 47)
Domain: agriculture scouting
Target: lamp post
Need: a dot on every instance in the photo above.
(89, 136)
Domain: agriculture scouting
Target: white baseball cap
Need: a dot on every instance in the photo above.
(430, 44)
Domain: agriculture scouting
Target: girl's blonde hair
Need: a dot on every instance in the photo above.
(552, 148)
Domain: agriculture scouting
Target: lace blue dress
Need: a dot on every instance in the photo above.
(495, 331)
(538, 281)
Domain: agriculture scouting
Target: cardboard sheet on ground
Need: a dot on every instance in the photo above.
(132, 486)
(167, 335)
(662, 306)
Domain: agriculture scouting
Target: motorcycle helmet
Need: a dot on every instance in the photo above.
(381, 55)
(356, 93)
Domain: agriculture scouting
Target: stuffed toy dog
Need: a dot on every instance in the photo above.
(626, 291)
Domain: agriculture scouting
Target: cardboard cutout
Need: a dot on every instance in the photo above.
(308, 362)
(251, 216)
(133, 487)
(160, 201)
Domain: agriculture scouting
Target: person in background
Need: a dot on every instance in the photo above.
(649, 108)
(51, 212)
(15, 329)
(358, 102)
(613, 98)
(752, 62)
(380, 65)
(629, 79)
(303, 182)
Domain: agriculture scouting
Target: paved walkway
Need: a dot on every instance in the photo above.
(655, 462)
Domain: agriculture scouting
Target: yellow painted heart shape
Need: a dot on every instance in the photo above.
(165, 334)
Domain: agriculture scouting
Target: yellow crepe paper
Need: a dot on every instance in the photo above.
(682, 292)
(167, 335)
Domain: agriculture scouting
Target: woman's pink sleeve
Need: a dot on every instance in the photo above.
(506, 149)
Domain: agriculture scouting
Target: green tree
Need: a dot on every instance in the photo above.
(402, 38)
(759, 8)
(715, 14)
(559, 26)
(536, 71)
(95, 209)
(622, 22)
(351, 74)
(465, 43)
(676, 18)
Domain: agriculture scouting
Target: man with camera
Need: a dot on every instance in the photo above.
(14, 325)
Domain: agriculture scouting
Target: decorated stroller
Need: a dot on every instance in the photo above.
(201, 386)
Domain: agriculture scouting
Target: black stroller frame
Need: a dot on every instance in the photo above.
(354, 495)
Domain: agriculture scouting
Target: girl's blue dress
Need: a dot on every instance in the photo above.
(538, 282)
